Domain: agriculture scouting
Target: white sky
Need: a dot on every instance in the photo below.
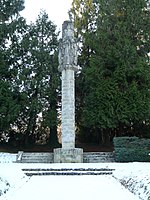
(57, 10)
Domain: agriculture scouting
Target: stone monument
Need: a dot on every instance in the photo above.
(67, 66)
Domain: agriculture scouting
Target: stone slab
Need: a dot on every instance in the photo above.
(73, 155)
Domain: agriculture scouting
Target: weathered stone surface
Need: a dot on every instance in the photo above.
(98, 157)
(74, 155)
(68, 109)
(88, 157)
(67, 47)
(68, 66)
(38, 157)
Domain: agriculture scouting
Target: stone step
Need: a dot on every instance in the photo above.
(98, 157)
(67, 171)
(24, 157)
(100, 153)
(88, 157)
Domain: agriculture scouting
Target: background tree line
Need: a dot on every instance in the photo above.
(112, 90)
(29, 82)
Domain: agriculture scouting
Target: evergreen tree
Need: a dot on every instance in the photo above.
(82, 14)
(117, 79)
(11, 25)
(39, 79)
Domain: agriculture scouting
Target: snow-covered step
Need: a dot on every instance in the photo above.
(98, 157)
(35, 157)
(67, 171)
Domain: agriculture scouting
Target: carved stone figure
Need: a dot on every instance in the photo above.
(67, 47)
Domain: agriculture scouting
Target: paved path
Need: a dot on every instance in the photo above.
(72, 188)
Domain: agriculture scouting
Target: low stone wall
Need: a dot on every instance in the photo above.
(98, 157)
(40, 157)
(66, 156)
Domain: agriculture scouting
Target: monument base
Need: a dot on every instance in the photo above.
(74, 155)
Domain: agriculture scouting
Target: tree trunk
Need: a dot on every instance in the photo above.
(106, 137)
(28, 139)
(53, 139)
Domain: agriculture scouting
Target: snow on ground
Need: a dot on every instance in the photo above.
(15, 185)
(11, 178)
(7, 157)
(74, 188)
(135, 177)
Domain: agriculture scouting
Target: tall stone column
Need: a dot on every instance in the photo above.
(68, 109)
(68, 66)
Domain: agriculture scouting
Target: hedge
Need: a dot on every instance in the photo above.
(132, 149)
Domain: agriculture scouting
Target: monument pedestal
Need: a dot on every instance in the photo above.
(72, 155)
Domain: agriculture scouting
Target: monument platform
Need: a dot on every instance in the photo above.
(45, 157)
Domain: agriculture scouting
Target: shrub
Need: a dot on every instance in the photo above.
(132, 149)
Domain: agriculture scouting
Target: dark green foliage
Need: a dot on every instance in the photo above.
(132, 149)
(132, 155)
(29, 80)
(115, 81)
(8, 106)
(131, 142)
(10, 8)
(11, 25)
(38, 78)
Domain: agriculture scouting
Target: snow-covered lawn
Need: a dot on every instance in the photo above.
(135, 177)
(15, 185)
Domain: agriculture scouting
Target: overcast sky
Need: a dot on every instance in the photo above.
(56, 9)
